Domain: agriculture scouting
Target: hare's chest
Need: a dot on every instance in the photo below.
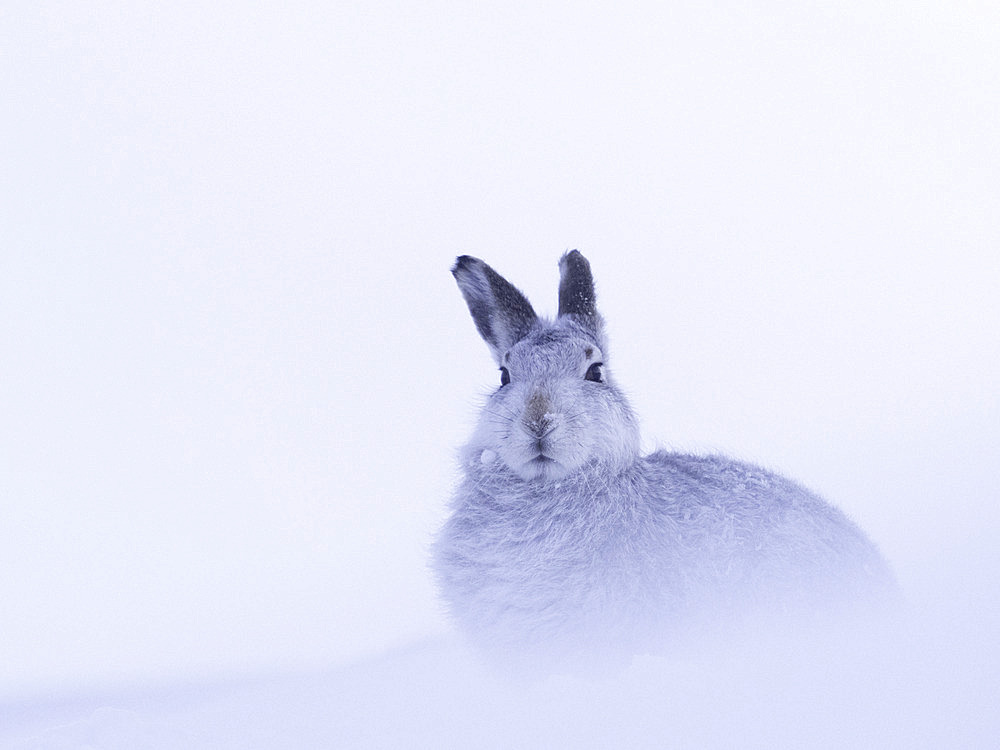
(559, 539)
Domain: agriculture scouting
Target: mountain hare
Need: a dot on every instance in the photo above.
(563, 538)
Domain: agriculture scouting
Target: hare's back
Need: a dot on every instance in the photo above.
(688, 480)
(761, 517)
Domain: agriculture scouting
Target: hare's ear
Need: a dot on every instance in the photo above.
(502, 314)
(576, 289)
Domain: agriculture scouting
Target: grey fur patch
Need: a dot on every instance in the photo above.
(576, 286)
(502, 314)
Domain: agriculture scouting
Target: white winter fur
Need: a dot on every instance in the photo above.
(563, 538)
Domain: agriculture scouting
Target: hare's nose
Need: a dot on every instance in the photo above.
(538, 418)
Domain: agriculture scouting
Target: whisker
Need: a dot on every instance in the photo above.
(500, 416)
(511, 414)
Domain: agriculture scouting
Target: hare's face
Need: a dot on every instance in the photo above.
(557, 408)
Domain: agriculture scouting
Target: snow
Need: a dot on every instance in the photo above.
(226, 309)
(919, 683)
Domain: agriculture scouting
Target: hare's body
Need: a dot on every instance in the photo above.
(674, 541)
(563, 536)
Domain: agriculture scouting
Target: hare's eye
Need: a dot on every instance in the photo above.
(504, 376)
(595, 372)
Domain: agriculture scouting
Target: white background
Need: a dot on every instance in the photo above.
(234, 367)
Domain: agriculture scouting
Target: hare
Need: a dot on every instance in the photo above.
(563, 537)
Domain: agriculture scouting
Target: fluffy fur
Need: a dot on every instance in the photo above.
(563, 537)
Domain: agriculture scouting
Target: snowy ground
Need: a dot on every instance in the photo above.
(234, 368)
(930, 680)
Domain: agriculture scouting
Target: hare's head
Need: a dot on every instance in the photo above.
(557, 408)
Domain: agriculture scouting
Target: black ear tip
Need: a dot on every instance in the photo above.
(576, 286)
(573, 259)
(464, 263)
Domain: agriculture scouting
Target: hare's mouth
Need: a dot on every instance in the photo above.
(542, 460)
(542, 467)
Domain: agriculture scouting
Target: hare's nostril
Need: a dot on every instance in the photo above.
(540, 427)
(537, 427)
